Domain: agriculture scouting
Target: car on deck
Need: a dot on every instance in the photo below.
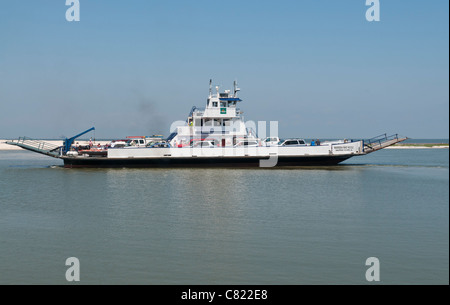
(293, 143)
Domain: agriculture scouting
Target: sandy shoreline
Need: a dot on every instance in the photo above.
(4, 146)
(417, 147)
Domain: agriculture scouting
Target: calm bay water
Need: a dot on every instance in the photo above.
(232, 226)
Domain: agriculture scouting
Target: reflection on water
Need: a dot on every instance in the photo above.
(226, 226)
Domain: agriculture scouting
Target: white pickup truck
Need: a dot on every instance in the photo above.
(271, 141)
(143, 141)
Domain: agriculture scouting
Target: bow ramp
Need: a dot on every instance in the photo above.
(46, 148)
(381, 142)
(37, 146)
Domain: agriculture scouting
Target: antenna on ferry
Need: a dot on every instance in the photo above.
(236, 89)
(210, 88)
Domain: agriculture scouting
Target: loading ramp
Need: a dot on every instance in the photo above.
(37, 146)
(382, 141)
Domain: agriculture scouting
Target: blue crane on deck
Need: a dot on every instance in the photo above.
(68, 142)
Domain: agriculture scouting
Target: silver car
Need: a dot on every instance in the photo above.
(204, 144)
(248, 143)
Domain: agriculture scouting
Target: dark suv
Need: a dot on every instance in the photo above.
(293, 142)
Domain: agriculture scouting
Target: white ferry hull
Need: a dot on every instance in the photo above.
(222, 157)
(225, 162)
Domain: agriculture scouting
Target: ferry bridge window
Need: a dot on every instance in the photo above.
(214, 104)
(223, 104)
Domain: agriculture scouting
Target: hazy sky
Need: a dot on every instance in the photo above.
(133, 67)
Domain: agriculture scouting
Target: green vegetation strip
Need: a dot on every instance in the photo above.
(423, 144)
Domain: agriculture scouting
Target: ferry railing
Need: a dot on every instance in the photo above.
(41, 145)
(379, 140)
(171, 136)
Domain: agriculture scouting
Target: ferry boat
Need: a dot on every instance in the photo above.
(214, 136)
